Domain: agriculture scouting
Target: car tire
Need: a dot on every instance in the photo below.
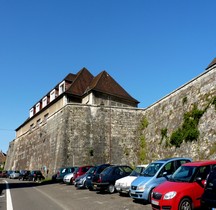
(84, 185)
(185, 204)
(111, 188)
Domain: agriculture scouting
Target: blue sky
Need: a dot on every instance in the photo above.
(150, 47)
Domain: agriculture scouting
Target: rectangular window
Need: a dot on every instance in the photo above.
(52, 95)
(37, 107)
(38, 122)
(44, 102)
(31, 112)
(45, 117)
(31, 126)
(61, 87)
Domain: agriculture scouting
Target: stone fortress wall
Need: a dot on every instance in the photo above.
(82, 134)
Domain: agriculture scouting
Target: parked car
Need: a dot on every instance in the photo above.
(3, 174)
(68, 178)
(64, 171)
(80, 171)
(8, 173)
(35, 175)
(155, 174)
(80, 182)
(109, 175)
(24, 175)
(122, 185)
(184, 188)
(14, 175)
(93, 177)
(208, 199)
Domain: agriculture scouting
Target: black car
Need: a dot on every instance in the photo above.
(35, 175)
(24, 175)
(208, 199)
(93, 177)
(108, 176)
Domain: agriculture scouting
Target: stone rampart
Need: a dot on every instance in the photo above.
(83, 134)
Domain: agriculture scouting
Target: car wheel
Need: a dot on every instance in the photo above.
(111, 188)
(185, 204)
(84, 185)
(71, 181)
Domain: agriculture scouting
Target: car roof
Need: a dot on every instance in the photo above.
(171, 159)
(200, 163)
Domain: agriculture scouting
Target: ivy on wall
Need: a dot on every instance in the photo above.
(189, 130)
(142, 141)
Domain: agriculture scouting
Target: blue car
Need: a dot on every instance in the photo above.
(155, 174)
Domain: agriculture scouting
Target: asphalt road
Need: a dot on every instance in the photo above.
(28, 195)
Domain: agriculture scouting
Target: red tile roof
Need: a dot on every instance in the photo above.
(80, 83)
(104, 83)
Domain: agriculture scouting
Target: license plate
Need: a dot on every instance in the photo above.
(155, 202)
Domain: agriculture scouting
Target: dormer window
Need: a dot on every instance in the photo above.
(31, 112)
(44, 102)
(61, 87)
(37, 107)
(52, 95)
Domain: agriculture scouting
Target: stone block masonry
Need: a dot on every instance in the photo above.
(82, 134)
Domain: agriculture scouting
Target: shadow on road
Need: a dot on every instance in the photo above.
(22, 184)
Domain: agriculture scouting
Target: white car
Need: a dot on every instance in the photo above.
(14, 175)
(122, 185)
(68, 178)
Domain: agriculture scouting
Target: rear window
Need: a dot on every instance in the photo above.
(102, 168)
(126, 169)
(107, 170)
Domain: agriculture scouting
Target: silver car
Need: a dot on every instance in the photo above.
(14, 175)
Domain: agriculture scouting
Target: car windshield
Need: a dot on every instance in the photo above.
(152, 169)
(91, 170)
(136, 171)
(184, 174)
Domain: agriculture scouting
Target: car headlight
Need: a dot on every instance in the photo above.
(170, 195)
(141, 187)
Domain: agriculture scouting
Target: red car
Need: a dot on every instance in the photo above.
(184, 188)
(80, 171)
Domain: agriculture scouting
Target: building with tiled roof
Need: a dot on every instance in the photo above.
(82, 88)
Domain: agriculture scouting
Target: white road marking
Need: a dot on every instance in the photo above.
(8, 196)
